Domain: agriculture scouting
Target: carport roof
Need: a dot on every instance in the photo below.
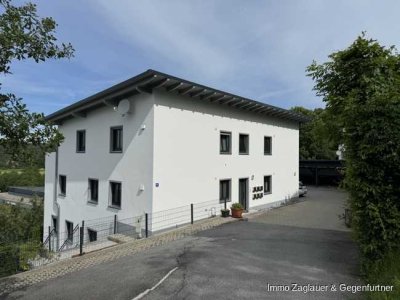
(149, 80)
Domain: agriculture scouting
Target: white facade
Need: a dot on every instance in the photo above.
(187, 161)
(171, 158)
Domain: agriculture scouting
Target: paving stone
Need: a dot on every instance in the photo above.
(129, 247)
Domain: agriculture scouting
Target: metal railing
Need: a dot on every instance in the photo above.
(69, 240)
(95, 234)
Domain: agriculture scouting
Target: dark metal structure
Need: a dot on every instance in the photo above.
(321, 172)
(29, 191)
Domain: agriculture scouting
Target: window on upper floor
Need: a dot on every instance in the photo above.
(81, 141)
(93, 190)
(116, 139)
(243, 144)
(267, 145)
(62, 182)
(225, 142)
(225, 190)
(268, 184)
(115, 194)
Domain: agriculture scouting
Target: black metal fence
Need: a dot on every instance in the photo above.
(91, 235)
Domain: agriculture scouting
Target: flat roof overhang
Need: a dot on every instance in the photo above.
(147, 81)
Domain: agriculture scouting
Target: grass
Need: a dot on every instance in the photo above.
(385, 272)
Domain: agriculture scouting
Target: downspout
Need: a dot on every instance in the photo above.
(57, 206)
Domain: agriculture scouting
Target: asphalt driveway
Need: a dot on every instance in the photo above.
(304, 243)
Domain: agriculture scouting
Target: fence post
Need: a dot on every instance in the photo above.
(146, 220)
(49, 239)
(17, 259)
(82, 230)
(191, 213)
(115, 224)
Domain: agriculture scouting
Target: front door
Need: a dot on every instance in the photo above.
(243, 192)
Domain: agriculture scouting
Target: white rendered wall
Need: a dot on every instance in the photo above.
(183, 136)
(50, 208)
(133, 167)
(187, 160)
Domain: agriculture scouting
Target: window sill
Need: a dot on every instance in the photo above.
(267, 154)
(267, 193)
(223, 201)
(62, 195)
(225, 153)
(93, 202)
(243, 153)
(115, 151)
(80, 151)
(114, 207)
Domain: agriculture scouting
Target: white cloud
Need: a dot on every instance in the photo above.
(258, 49)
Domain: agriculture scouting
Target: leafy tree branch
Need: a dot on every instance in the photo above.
(25, 35)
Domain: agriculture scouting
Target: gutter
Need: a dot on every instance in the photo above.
(151, 79)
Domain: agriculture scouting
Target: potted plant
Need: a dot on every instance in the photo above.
(225, 212)
(237, 210)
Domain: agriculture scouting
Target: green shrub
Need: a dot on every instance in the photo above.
(9, 259)
(20, 236)
(385, 272)
(24, 177)
(237, 206)
(361, 86)
(20, 224)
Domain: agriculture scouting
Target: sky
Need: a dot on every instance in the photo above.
(255, 49)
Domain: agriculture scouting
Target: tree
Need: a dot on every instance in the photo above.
(315, 137)
(361, 88)
(24, 35)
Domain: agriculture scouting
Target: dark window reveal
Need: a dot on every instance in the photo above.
(94, 190)
(115, 188)
(225, 143)
(243, 144)
(267, 145)
(81, 141)
(116, 137)
(62, 180)
(70, 231)
(92, 235)
(225, 190)
(267, 185)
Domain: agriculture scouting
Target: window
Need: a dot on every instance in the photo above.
(62, 180)
(243, 144)
(70, 231)
(225, 143)
(80, 141)
(54, 223)
(267, 185)
(116, 139)
(225, 190)
(93, 190)
(92, 235)
(115, 189)
(267, 145)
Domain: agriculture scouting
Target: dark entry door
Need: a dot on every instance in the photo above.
(243, 192)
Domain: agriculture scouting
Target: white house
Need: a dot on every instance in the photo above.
(157, 142)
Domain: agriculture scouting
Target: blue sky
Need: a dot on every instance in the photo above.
(256, 49)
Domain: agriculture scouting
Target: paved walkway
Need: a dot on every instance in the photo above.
(63, 267)
(322, 208)
(305, 243)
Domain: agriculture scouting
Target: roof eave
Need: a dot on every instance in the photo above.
(151, 79)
